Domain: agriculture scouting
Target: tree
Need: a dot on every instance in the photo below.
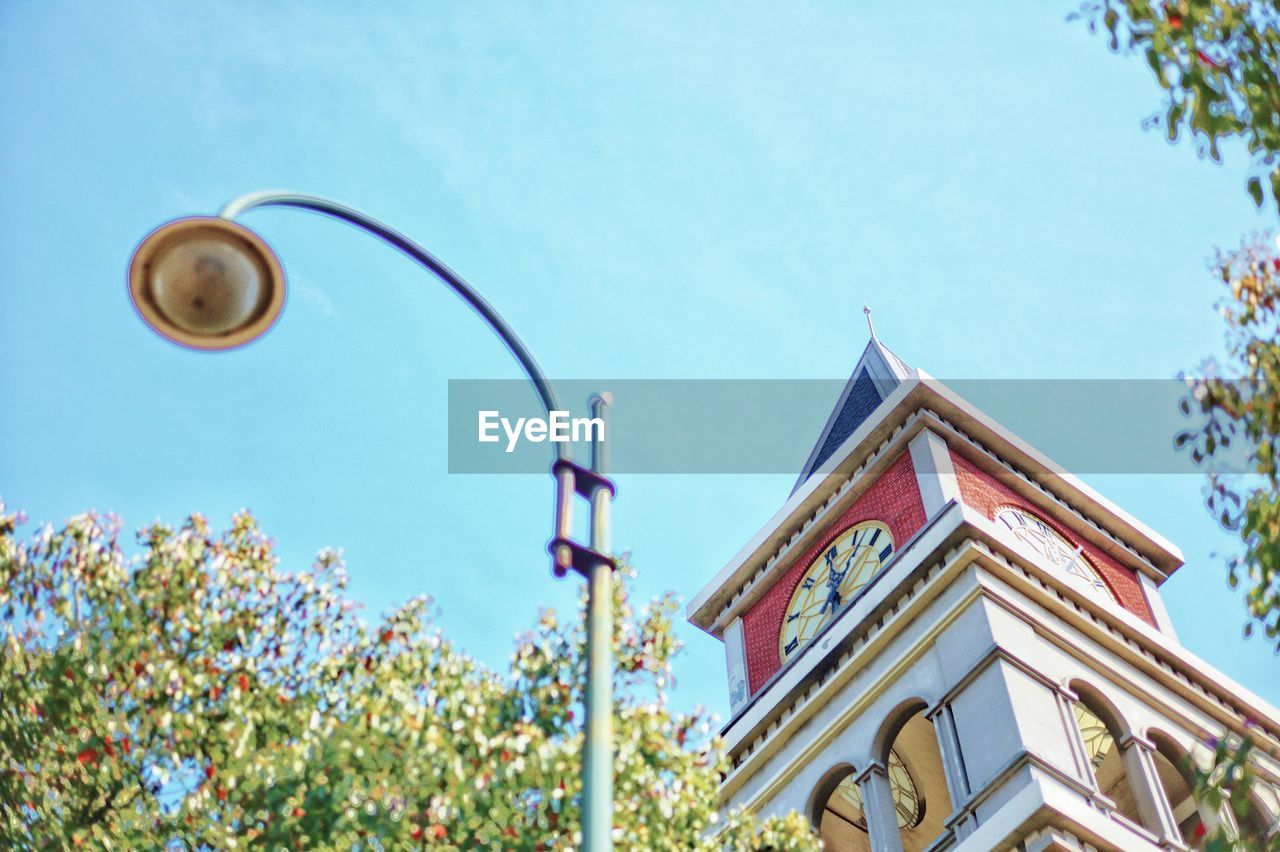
(1242, 416)
(197, 696)
(1218, 64)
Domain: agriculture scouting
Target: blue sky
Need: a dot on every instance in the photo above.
(715, 188)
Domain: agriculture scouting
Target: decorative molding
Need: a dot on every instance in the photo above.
(818, 643)
(1100, 534)
(799, 537)
(1132, 539)
(874, 766)
(793, 534)
(791, 714)
(798, 707)
(935, 474)
(1129, 738)
(1167, 666)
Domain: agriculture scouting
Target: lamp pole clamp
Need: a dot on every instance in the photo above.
(566, 553)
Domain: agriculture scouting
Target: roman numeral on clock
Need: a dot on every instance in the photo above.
(792, 645)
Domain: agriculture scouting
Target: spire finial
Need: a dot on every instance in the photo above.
(866, 309)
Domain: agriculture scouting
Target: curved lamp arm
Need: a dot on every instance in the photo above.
(591, 561)
(274, 198)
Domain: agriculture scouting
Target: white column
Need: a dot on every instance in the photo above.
(877, 808)
(1066, 699)
(957, 776)
(1223, 818)
(735, 657)
(1140, 767)
(935, 474)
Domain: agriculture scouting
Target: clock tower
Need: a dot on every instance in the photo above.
(943, 640)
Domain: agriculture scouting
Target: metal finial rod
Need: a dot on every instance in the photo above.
(866, 309)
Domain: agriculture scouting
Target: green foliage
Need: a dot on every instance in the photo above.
(1218, 63)
(197, 696)
(1242, 414)
(1229, 782)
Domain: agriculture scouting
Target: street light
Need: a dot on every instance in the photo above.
(207, 283)
(210, 283)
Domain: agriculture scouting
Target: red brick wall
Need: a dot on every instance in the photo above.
(987, 493)
(894, 499)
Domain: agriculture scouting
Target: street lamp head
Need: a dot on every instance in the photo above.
(207, 283)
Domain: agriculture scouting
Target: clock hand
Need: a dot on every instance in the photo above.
(855, 560)
(833, 590)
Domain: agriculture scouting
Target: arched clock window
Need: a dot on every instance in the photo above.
(1100, 731)
(831, 581)
(1098, 742)
(906, 796)
(1046, 541)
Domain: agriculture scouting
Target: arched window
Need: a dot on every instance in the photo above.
(1258, 823)
(1101, 731)
(906, 796)
(1173, 765)
(917, 779)
(837, 813)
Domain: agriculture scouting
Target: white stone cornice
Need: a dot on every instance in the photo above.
(853, 626)
(935, 474)
(901, 414)
(1131, 640)
(786, 704)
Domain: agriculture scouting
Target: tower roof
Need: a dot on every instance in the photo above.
(875, 376)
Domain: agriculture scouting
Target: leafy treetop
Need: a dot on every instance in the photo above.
(197, 696)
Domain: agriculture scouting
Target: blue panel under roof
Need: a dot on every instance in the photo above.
(873, 379)
(858, 405)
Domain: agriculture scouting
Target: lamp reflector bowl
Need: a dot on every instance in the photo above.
(206, 283)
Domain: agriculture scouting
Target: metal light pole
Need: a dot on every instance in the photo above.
(597, 813)
(210, 283)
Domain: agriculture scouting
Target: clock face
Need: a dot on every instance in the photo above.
(1097, 739)
(1045, 540)
(831, 581)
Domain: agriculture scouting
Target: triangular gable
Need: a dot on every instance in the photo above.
(877, 373)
